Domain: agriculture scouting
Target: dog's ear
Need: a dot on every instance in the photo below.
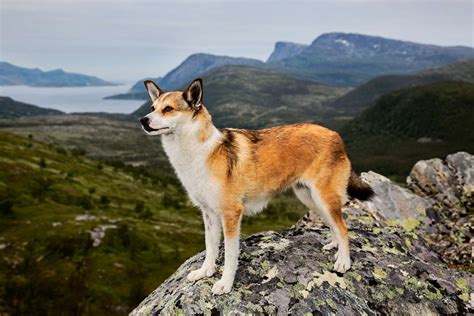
(193, 94)
(153, 90)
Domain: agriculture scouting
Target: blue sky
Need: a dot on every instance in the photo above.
(126, 40)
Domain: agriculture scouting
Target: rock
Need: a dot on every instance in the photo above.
(280, 273)
(450, 185)
(405, 244)
(449, 182)
(392, 202)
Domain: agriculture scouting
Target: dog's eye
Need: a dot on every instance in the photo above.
(152, 108)
(167, 109)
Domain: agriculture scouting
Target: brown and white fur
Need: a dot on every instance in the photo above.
(231, 172)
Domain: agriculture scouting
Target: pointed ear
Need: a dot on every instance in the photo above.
(153, 90)
(193, 94)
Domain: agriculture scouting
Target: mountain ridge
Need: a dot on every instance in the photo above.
(10, 108)
(15, 75)
(351, 59)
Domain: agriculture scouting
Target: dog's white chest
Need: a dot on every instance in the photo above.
(189, 163)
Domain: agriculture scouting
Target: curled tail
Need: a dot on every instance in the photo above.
(359, 189)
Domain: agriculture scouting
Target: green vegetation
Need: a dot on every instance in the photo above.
(365, 95)
(83, 237)
(412, 124)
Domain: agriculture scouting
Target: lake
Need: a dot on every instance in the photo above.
(75, 99)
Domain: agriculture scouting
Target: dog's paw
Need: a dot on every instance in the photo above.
(343, 262)
(201, 273)
(331, 245)
(221, 287)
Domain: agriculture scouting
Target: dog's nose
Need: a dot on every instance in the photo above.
(144, 120)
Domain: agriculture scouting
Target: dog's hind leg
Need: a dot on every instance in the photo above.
(303, 193)
(329, 204)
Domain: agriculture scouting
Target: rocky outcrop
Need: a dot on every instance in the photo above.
(396, 267)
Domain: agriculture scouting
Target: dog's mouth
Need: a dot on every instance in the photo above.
(151, 129)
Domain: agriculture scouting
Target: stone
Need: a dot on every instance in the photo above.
(411, 250)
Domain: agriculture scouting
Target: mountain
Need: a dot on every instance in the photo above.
(198, 64)
(284, 50)
(138, 86)
(352, 59)
(15, 75)
(252, 97)
(191, 68)
(411, 124)
(363, 96)
(10, 108)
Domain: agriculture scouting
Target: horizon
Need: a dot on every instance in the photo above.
(125, 56)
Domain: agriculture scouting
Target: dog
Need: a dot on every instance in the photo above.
(231, 172)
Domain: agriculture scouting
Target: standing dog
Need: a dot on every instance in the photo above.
(231, 172)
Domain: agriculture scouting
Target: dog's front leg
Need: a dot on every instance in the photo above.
(231, 218)
(212, 226)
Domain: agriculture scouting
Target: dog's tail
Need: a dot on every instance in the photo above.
(359, 189)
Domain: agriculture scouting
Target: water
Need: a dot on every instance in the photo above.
(76, 99)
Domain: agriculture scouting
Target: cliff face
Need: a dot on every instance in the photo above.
(411, 252)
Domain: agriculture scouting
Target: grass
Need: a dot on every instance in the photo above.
(50, 202)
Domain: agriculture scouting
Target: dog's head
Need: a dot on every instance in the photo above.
(171, 111)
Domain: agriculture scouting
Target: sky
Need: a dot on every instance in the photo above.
(127, 40)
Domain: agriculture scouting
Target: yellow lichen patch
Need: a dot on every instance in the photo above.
(408, 224)
(354, 275)
(271, 274)
(407, 242)
(304, 293)
(332, 278)
(461, 283)
(282, 244)
(378, 273)
(368, 248)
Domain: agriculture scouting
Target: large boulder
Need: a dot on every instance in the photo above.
(400, 265)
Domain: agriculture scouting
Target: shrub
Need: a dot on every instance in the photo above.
(104, 200)
(6, 208)
(139, 206)
(42, 163)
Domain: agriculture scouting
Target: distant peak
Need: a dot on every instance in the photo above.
(284, 50)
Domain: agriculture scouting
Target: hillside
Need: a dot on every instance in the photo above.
(352, 59)
(411, 124)
(10, 108)
(80, 236)
(15, 75)
(363, 96)
(250, 97)
(104, 137)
